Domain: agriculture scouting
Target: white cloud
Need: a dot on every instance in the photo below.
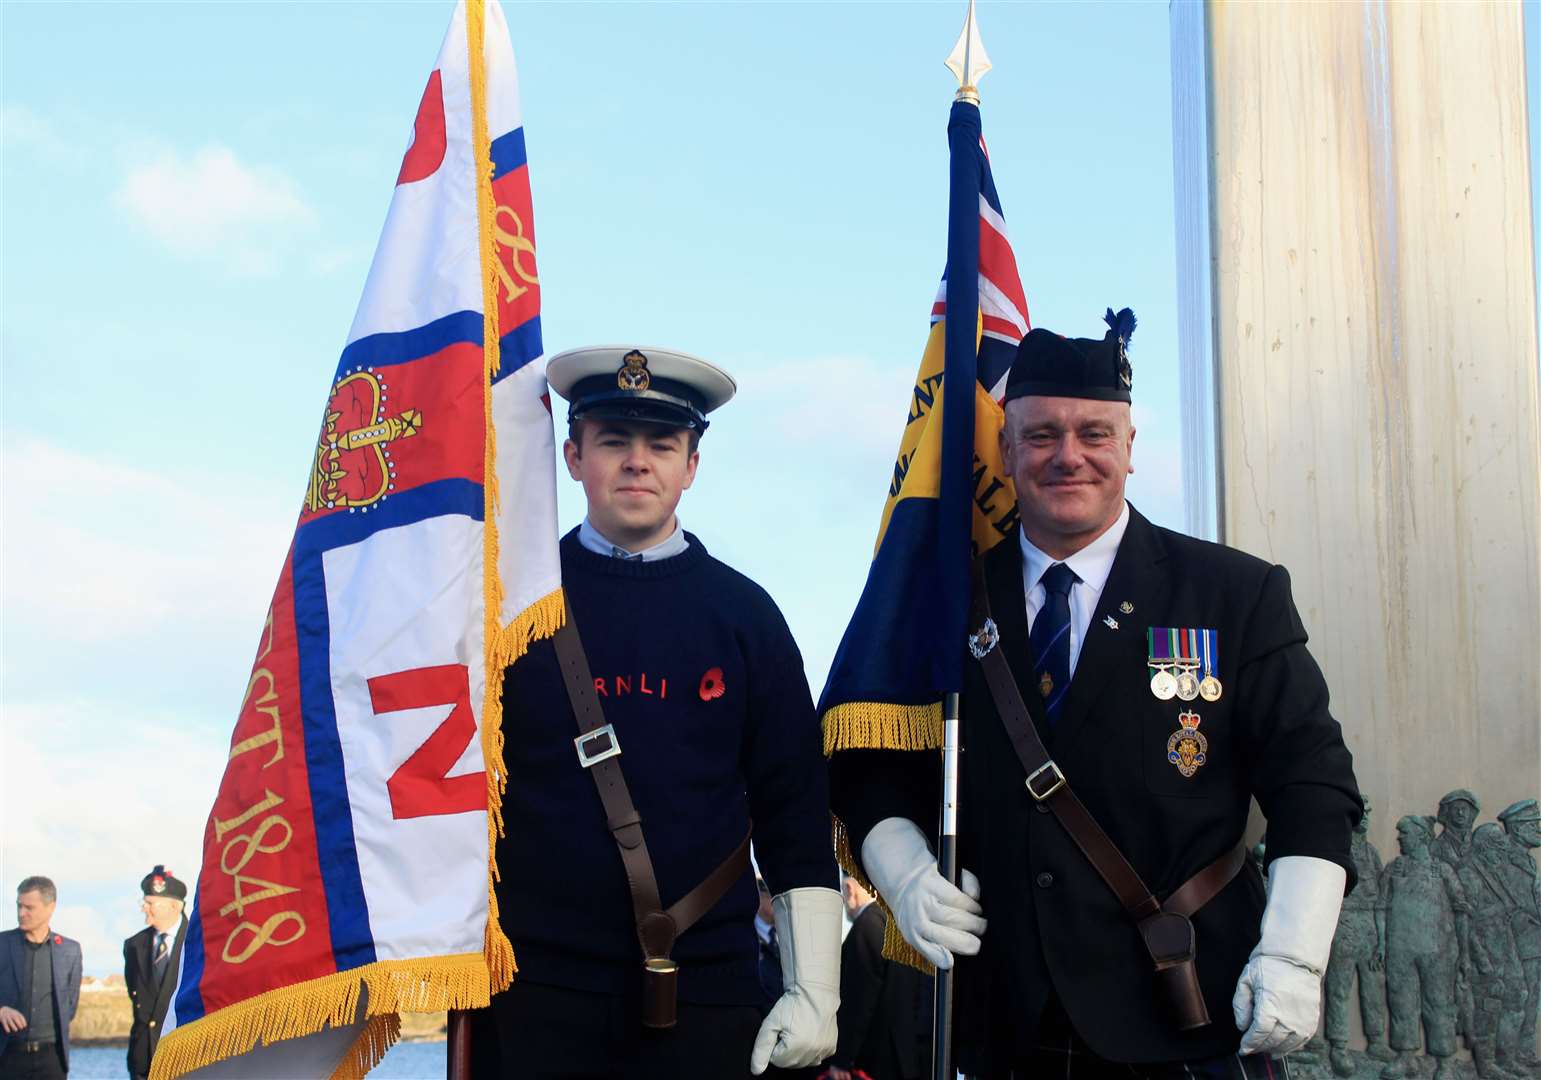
(24, 127)
(212, 205)
(95, 550)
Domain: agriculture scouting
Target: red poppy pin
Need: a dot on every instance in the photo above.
(711, 685)
(58, 940)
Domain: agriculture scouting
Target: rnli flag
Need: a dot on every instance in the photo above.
(950, 498)
(347, 861)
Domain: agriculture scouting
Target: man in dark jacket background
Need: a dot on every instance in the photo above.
(39, 988)
(150, 961)
(885, 1007)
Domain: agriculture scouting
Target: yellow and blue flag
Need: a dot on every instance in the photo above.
(950, 499)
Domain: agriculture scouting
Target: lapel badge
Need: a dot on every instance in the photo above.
(1046, 685)
(1126, 607)
(633, 374)
(984, 639)
(1110, 622)
(1187, 748)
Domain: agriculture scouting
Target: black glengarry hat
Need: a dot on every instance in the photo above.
(159, 882)
(1048, 365)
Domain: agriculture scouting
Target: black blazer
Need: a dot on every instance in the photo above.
(149, 997)
(885, 1007)
(1055, 927)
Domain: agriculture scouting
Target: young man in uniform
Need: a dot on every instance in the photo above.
(682, 705)
(1112, 629)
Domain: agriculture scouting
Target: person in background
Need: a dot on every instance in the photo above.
(770, 958)
(885, 1007)
(39, 988)
(150, 962)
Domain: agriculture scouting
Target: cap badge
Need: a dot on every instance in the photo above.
(158, 885)
(633, 374)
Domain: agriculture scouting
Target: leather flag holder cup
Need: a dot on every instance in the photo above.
(599, 752)
(1167, 928)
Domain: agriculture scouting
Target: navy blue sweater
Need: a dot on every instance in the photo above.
(699, 675)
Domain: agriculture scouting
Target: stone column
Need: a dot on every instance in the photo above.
(1359, 348)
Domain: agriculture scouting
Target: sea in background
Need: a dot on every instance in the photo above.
(404, 1061)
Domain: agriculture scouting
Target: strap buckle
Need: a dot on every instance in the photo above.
(1046, 767)
(597, 745)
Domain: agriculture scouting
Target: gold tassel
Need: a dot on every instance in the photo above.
(877, 725)
(394, 986)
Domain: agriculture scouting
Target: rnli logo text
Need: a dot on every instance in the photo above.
(622, 685)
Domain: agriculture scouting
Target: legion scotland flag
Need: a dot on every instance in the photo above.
(347, 864)
(950, 498)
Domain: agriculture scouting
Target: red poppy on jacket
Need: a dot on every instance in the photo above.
(711, 685)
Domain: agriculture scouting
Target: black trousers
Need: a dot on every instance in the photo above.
(1062, 1053)
(535, 1032)
(44, 1063)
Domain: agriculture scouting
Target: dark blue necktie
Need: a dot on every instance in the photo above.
(1050, 638)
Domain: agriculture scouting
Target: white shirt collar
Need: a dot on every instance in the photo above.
(1091, 564)
(595, 541)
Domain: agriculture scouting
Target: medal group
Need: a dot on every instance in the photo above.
(1184, 663)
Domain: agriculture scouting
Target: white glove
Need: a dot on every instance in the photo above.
(800, 1028)
(933, 915)
(1278, 998)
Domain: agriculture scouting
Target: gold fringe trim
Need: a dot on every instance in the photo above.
(897, 949)
(499, 952)
(379, 1035)
(394, 986)
(894, 945)
(879, 725)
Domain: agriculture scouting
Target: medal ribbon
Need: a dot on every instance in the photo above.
(1211, 653)
(1159, 649)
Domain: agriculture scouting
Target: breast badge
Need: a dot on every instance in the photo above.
(983, 640)
(1187, 748)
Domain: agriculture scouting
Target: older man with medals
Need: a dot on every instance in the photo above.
(1130, 691)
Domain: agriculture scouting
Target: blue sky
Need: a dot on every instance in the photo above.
(191, 197)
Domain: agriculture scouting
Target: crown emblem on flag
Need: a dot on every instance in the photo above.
(633, 374)
(353, 466)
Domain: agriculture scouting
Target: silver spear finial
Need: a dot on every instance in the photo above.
(968, 60)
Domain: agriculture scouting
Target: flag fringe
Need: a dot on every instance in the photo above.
(882, 725)
(379, 1035)
(498, 951)
(394, 986)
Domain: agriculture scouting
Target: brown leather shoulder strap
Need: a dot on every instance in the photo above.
(1045, 782)
(599, 751)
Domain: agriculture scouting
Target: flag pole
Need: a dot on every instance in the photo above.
(968, 61)
(457, 1046)
(947, 866)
